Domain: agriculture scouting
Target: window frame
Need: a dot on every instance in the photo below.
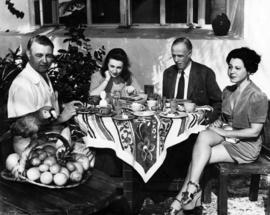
(125, 16)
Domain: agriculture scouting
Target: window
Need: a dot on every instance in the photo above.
(170, 13)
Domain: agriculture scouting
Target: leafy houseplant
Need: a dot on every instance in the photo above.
(71, 73)
(10, 66)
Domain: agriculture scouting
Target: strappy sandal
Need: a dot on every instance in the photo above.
(191, 200)
(175, 211)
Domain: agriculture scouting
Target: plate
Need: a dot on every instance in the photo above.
(5, 174)
(121, 118)
(180, 101)
(105, 115)
(129, 107)
(144, 113)
(173, 115)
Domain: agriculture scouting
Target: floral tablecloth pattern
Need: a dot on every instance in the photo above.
(141, 142)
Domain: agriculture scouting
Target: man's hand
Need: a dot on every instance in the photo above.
(69, 111)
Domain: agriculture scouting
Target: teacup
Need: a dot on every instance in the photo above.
(136, 106)
(151, 104)
(189, 106)
(105, 110)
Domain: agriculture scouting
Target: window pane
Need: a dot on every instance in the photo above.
(195, 11)
(176, 11)
(72, 12)
(47, 11)
(145, 11)
(105, 11)
(208, 11)
(37, 12)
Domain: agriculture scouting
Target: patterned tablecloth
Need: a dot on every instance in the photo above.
(141, 142)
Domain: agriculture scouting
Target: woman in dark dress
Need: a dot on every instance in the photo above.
(236, 136)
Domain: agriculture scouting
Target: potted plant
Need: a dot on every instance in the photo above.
(71, 73)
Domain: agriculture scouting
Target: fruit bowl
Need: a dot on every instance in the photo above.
(51, 163)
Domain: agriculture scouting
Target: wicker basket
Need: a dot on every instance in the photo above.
(63, 153)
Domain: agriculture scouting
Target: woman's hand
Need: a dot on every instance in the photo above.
(107, 75)
(69, 111)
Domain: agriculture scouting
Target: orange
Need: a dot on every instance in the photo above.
(50, 160)
(60, 179)
(43, 167)
(70, 166)
(35, 161)
(65, 171)
(55, 168)
(12, 160)
(76, 176)
(46, 178)
(33, 173)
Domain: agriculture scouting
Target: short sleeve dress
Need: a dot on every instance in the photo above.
(251, 107)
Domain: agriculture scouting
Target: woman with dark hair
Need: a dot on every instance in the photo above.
(114, 74)
(236, 136)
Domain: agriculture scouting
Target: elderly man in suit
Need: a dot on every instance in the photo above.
(187, 79)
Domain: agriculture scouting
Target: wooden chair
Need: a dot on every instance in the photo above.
(260, 167)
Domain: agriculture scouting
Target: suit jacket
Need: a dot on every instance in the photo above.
(202, 87)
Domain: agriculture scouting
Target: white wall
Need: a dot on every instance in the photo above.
(11, 22)
(257, 35)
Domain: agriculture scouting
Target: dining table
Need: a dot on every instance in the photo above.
(97, 193)
(141, 138)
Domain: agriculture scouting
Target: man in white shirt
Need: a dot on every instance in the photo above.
(32, 88)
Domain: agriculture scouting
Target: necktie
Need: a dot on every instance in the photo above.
(181, 86)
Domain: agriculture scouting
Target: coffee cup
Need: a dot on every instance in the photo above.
(151, 104)
(189, 107)
(136, 106)
(105, 110)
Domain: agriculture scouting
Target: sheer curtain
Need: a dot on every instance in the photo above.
(235, 12)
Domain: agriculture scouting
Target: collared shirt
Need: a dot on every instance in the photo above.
(30, 92)
(186, 76)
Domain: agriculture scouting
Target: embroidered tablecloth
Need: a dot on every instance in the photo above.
(141, 142)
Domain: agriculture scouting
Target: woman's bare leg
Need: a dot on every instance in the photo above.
(208, 138)
(207, 149)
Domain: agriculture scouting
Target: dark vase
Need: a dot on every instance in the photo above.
(221, 25)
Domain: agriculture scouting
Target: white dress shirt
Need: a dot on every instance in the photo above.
(30, 92)
(186, 76)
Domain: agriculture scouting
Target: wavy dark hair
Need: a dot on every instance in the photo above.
(249, 57)
(121, 55)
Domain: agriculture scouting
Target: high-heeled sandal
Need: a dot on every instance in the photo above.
(196, 202)
(188, 197)
(175, 211)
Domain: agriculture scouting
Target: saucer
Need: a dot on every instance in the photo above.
(121, 118)
(105, 115)
(144, 113)
(175, 115)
